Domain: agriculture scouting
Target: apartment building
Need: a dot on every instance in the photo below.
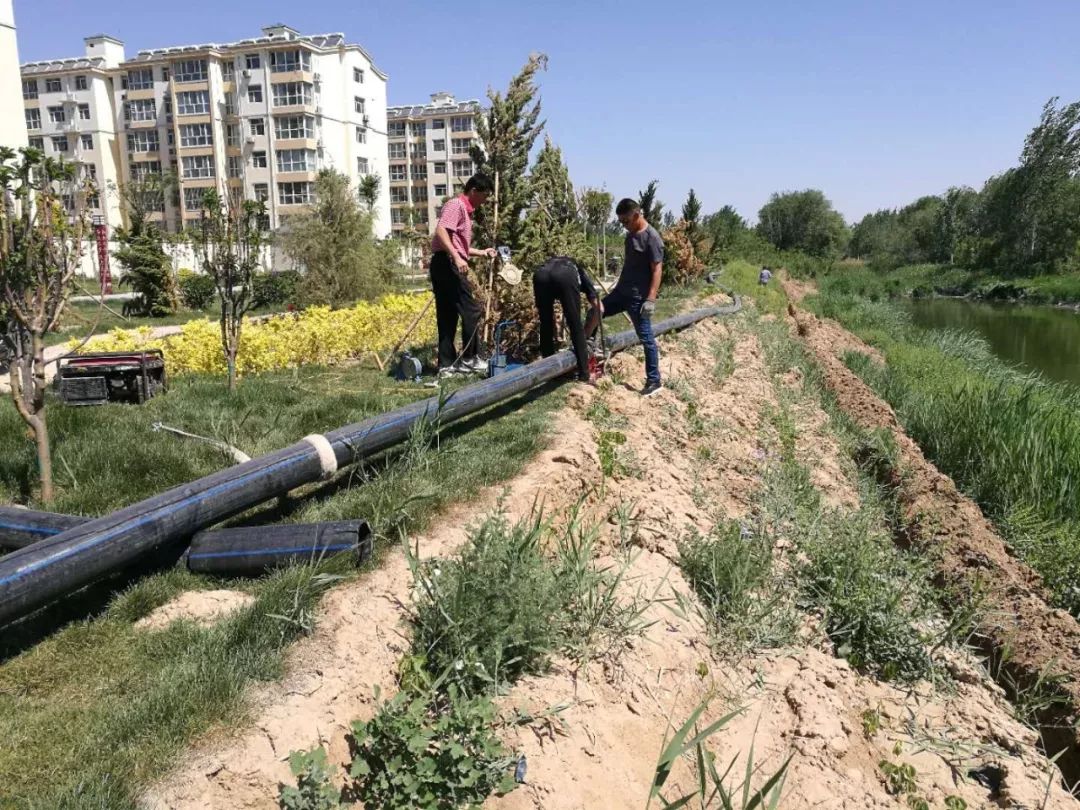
(258, 118)
(67, 104)
(428, 149)
(12, 131)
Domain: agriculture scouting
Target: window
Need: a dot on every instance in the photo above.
(33, 119)
(358, 104)
(258, 126)
(419, 171)
(144, 169)
(419, 194)
(397, 151)
(440, 190)
(141, 79)
(84, 112)
(463, 168)
(294, 193)
(294, 126)
(438, 123)
(235, 166)
(87, 141)
(194, 103)
(232, 135)
(439, 168)
(358, 75)
(262, 192)
(52, 85)
(196, 135)
(172, 140)
(418, 151)
(29, 88)
(460, 146)
(438, 146)
(462, 123)
(397, 173)
(142, 110)
(230, 103)
(145, 140)
(90, 170)
(291, 94)
(255, 93)
(362, 166)
(80, 82)
(198, 167)
(166, 104)
(165, 73)
(296, 160)
(37, 143)
(193, 198)
(56, 115)
(190, 70)
(59, 143)
(285, 61)
(252, 61)
(418, 129)
(395, 129)
(228, 71)
(361, 135)
(399, 195)
(397, 216)
(258, 160)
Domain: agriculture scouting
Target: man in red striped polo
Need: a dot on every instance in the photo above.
(451, 249)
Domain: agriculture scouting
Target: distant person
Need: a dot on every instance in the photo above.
(451, 250)
(637, 288)
(765, 276)
(561, 279)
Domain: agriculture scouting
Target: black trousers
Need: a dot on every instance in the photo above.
(560, 283)
(454, 299)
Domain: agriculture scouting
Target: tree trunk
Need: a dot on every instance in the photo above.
(44, 454)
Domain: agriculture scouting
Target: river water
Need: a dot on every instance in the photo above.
(1040, 338)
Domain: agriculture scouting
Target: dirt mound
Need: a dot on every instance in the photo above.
(1042, 643)
(202, 607)
(688, 457)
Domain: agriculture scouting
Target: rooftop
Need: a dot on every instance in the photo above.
(58, 65)
(423, 110)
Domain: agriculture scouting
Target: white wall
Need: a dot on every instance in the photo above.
(182, 256)
(12, 124)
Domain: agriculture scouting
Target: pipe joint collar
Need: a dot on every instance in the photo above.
(327, 458)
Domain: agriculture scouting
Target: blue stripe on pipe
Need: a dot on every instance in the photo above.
(30, 529)
(210, 554)
(101, 538)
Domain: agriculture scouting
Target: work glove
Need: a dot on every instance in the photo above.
(648, 308)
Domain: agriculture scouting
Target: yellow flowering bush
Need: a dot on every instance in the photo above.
(316, 336)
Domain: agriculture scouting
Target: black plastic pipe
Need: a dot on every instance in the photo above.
(22, 527)
(244, 551)
(39, 573)
(251, 551)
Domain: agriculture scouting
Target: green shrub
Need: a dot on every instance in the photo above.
(426, 751)
(197, 290)
(726, 568)
(314, 786)
(274, 289)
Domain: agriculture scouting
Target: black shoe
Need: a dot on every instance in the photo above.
(651, 388)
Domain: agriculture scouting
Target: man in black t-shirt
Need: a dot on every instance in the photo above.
(560, 279)
(637, 288)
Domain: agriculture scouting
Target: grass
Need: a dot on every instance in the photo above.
(1010, 440)
(99, 708)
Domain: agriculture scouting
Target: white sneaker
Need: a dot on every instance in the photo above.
(475, 365)
(450, 371)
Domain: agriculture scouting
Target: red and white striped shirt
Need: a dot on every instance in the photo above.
(456, 217)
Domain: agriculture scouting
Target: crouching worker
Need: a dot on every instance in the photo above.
(451, 249)
(638, 285)
(560, 279)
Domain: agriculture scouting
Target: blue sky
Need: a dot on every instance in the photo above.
(875, 102)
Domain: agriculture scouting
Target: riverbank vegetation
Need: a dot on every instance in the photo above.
(1010, 440)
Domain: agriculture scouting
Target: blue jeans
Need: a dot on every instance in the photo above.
(618, 301)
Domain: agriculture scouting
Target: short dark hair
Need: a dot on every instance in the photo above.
(626, 206)
(480, 183)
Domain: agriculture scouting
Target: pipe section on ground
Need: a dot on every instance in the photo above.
(23, 527)
(39, 573)
(252, 551)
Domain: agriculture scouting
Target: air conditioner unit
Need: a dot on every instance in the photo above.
(318, 78)
(123, 96)
(250, 139)
(366, 120)
(246, 73)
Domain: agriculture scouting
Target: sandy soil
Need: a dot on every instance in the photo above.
(601, 753)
